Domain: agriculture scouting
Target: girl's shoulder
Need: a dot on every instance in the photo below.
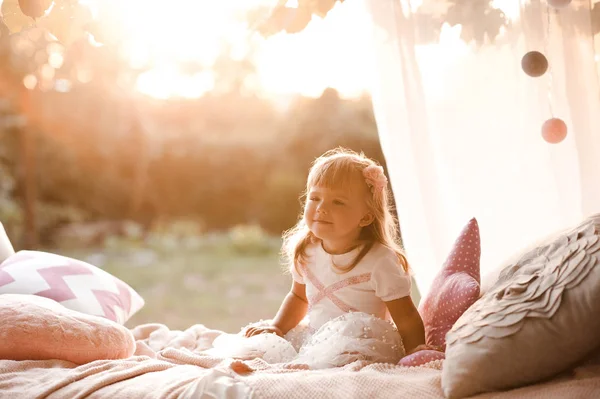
(383, 258)
(380, 252)
(388, 276)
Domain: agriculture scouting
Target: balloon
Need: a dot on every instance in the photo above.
(534, 64)
(554, 130)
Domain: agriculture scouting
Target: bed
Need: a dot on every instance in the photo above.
(165, 366)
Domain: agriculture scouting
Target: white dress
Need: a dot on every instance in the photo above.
(347, 319)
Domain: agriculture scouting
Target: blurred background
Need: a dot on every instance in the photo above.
(169, 142)
(170, 145)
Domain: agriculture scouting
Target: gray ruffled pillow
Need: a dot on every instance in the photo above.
(540, 318)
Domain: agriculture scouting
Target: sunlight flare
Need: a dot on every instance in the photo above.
(332, 52)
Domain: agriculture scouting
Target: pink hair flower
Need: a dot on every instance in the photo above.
(375, 178)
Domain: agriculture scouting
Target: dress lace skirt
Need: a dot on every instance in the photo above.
(343, 340)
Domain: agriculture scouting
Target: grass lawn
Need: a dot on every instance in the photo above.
(217, 287)
(222, 281)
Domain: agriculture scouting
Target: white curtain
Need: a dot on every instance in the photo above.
(460, 129)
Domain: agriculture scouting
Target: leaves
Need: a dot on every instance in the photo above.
(67, 21)
(30, 50)
(295, 19)
(321, 7)
(4, 31)
(479, 19)
(596, 19)
(14, 18)
(35, 8)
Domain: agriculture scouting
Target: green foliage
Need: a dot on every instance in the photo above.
(252, 240)
(186, 286)
(187, 235)
(294, 19)
(10, 211)
(105, 153)
(213, 283)
(250, 169)
(482, 22)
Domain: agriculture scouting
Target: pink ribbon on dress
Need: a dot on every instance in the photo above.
(329, 291)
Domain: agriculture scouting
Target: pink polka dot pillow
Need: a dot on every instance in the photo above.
(453, 291)
(75, 284)
(422, 357)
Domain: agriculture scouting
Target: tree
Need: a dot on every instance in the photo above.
(481, 21)
(45, 45)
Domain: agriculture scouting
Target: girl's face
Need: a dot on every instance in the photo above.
(336, 216)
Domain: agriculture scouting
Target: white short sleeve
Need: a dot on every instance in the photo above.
(296, 275)
(297, 272)
(389, 280)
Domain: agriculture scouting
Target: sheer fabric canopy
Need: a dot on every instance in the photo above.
(460, 127)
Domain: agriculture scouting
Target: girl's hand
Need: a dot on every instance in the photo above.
(251, 331)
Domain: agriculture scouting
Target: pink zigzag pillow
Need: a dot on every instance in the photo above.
(455, 288)
(75, 284)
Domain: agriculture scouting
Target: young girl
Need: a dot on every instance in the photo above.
(349, 273)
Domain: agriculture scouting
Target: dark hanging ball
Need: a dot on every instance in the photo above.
(34, 8)
(534, 64)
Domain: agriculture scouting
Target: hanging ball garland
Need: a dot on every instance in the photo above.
(554, 130)
(559, 3)
(534, 64)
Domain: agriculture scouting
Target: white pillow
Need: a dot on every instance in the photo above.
(75, 284)
(539, 319)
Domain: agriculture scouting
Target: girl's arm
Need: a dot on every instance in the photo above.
(293, 309)
(408, 322)
(290, 313)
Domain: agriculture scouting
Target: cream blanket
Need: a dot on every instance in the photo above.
(175, 364)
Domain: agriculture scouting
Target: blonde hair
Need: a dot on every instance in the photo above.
(336, 168)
